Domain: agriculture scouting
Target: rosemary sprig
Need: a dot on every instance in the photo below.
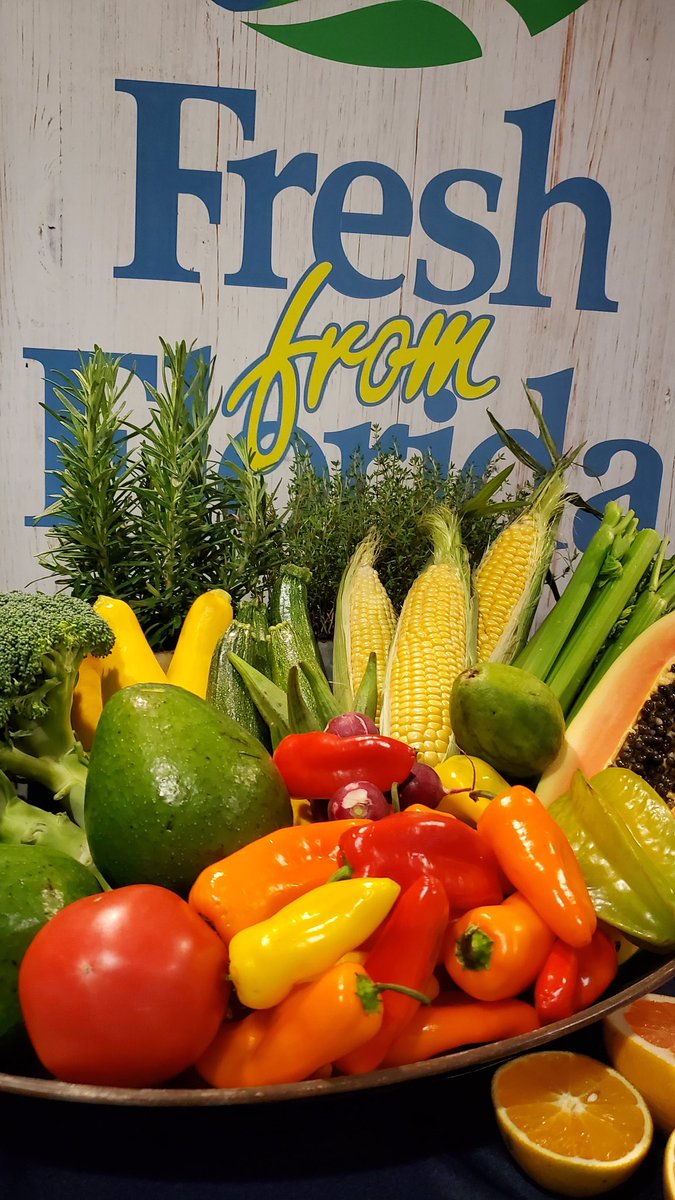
(182, 530)
(91, 535)
(256, 550)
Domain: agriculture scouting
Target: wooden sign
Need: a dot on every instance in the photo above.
(375, 215)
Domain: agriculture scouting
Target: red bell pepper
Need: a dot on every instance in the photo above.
(315, 765)
(408, 844)
(405, 952)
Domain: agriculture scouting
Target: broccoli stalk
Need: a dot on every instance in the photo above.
(43, 640)
(23, 824)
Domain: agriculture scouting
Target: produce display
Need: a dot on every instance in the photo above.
(245, 867)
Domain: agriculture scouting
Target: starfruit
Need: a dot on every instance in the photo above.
(623, 835)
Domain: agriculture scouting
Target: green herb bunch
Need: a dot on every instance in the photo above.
(145, 513)
(148, 515)
(328, 514)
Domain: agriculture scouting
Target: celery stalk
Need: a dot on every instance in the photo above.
(541, 652)
(654, 602)
(574, 665)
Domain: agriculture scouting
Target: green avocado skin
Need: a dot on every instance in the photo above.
(35, 883)
(173, 786)
(507, 717)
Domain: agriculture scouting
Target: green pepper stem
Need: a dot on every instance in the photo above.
(405, 991)
(345, 872)
(369, 992)
(474, 949)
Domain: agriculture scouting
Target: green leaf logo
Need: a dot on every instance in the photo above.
(395, 33)
(539, 15)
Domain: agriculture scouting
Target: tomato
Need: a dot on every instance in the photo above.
(125, 988)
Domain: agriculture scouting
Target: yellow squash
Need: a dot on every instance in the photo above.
(131, 659)
(208, 618)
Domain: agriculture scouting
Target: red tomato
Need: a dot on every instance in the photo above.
(125, 988)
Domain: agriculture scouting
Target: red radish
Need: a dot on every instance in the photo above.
(351, 725)
(423, 786)
(362, 800)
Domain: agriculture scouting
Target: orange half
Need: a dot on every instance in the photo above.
(572, 1123)
(640, 1041)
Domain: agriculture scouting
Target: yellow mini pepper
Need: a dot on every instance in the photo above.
(306, 937)
(208, 618)
(464, 778)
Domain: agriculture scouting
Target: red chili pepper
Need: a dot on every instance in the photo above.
(598, 966)
(315, 765)
(406, 952)
(574, 978)
(556, 984)
(408, 844)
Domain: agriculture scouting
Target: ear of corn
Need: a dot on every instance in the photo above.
(509, 579)
(431, 646)
(365, 621)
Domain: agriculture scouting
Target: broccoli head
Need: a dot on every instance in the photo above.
(43, 640)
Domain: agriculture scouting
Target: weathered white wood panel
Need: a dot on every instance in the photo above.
(68, 207)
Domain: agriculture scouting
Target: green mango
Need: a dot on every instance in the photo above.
(507, 717)
(173, 786)
(35, 883)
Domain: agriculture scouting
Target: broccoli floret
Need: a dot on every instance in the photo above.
(23, 824)
(43, 640)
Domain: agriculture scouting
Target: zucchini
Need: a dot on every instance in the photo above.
(253, 612)
(226, 690)
(286, 653)
(300, 717)
(288, 603)
(269, 699)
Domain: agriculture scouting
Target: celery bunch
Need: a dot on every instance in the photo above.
(621, 585)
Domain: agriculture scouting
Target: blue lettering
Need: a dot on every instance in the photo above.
(331, 221)
(160, 180)
(262, 187)
(555, 391)
(534, 201)
(459, 234)
(641, 493)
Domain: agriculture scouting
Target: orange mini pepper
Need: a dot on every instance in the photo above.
(317, 1023)
(255, 882)
(496, 952)
(535, 854)
(457, 1020)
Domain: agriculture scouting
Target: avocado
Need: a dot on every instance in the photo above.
(507, 717)
(173, 786)
(35, 883)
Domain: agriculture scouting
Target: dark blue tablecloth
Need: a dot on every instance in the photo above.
(437, 1140)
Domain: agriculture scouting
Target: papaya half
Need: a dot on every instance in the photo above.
(628, 720)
